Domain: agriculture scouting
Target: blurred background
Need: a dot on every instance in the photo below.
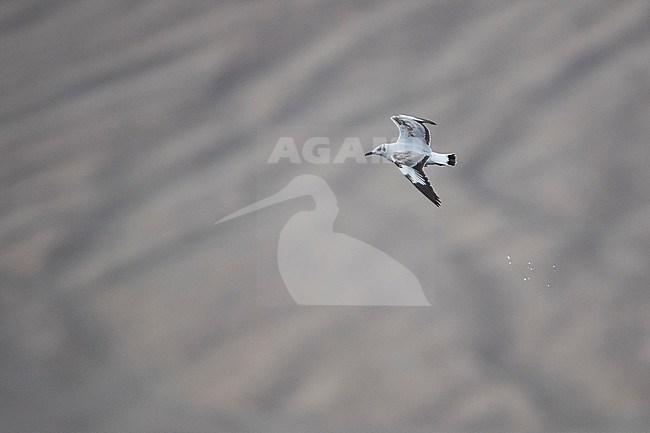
(127, 128)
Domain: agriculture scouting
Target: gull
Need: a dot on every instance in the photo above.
(412, 152)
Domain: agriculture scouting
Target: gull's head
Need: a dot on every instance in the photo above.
(379, 150)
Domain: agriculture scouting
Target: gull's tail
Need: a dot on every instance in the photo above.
(442, 159)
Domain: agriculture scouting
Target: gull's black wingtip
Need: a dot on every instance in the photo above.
(417, 119)
(429, 193)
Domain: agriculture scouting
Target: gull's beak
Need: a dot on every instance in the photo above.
(369, 153)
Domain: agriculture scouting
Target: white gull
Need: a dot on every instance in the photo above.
(412, 152)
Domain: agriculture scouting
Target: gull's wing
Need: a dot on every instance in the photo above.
(417, 177)
(412, 127)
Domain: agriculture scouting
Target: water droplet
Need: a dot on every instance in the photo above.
(548, 285)
(554, 268)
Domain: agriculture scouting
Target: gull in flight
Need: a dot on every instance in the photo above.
(412, 152)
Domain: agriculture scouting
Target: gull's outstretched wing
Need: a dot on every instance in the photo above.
(419, 179)
(412, 128)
